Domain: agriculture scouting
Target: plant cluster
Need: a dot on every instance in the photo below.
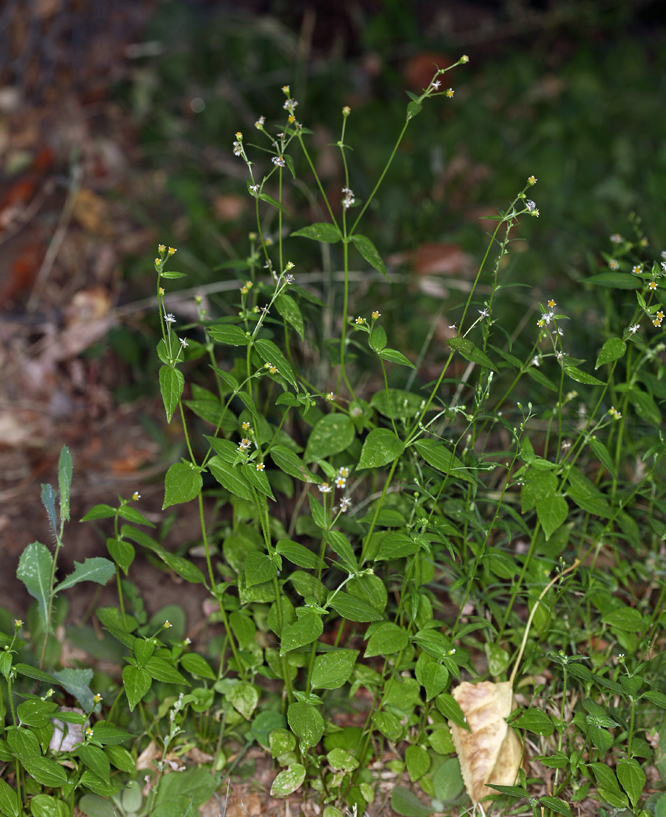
(368, 551)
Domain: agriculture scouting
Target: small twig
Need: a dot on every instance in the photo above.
(534, 609)
(58, 238)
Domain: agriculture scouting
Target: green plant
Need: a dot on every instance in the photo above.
(411, 541)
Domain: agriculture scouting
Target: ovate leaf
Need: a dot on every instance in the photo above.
(172, 383)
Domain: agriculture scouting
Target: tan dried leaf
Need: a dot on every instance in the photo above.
(491, 752)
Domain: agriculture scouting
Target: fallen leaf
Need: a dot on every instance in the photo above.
(151, 752)
(491, 752)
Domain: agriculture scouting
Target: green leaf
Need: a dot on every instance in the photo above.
(541, 378)
(632, 778)
(65, 468)
(405, 802)
(389, 725)
(306, 629)
(605, 776)
(270, 200)
(289, 780)
(394, 356)
(291, 463)
(96, 569)
(306, 723)
(162, 670)
(417, 761)
(99, 512)
(435, 679)
(259, 568)
(614, 280)
(586, 495)
(441, 741)
(537, 485)
(443, 459)
(582, 377)
(613, 349)
(197, 665)
(229, 334)
(450, 708)
(332, 670)
(552, 512)
(321, 231)
(102, 787)
(469, 351)
(9, 802)
(230, 477)
(270, 353)
(35, 713)
(332, 434)
(34, 673)
(172, 274)
(34, 570)
(354, 609)
(534, 721)
(290, 311)
(377, 339)
(77, 683)
(46, 771)
(644, 406)
(244, 698)
(172, 383)
(121, 552)
(132, 515)
(369, 252)
(95, 759)
(281, 741)
(387, 639)
(93, 805)
(243, 628)
(381, 447)
(342, 760)
(628, 619)
(136, 682)
(181, 484)
(297, 554)
(447, 780)
(602, 454)
(556, 805)
(657, 698)
(48, 501)
(339, 543)
(109, 735)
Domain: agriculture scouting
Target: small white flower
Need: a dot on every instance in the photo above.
(484, 313)
(183, 342)
(663, 265)
(340, 482)
(616, 238)
(559, 355)
(278, 161)
(254, 189)
(169, 318)
(530, 205)
(330, 396)
(289, 278)
(536, 361)
(558, 331)
(136, 496)
(324, 488)
(634, 328)
(435, 85)
(345, 504)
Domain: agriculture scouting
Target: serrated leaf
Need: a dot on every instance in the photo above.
(303, 631)
(387, 639)
(322, 231)
(381, 447)
(290, 311)
(552, 512)
(632, 779)
(228, 334)
(534, 721)
(136, 682)
(354, 609)
(469, 351)
(297, 554)
(613, 349)
(306, 723)
(77, 683)
(96, 569)
(331, 670)
(181, 484)
(34, 570)
(270, 353)
(582, 377)
(259, 568)
(289, 462)
(330, 435)
(369, 252)
(230, 477)
(46, 771)
(440, 457)
(121, 552)
(172, 383)
(556, 805)
(48, 501)
(288, 781)
(394, 356)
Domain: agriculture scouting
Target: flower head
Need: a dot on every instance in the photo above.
(636, 269)
(18, 623)
(530, 205)
(259, 124)
(652, 285)
(359, 320)
(551, 303)
(246, 426)
(172, 250)
(278, 161)
(532, 180)
(613, 264)
(343, 471)
(169, 317)
(97, 698)
(616, 238)
(376, 315)
(324, 488)
(183, 342)
(435, 85)
(634, 328)
(244, 444)
(161, 249)
(450, 92)
(260, 466)
(136, 496)
(330, 396)
(89, 732)
(345, 504)
(167, 625)
(346, 110)
(340, 482)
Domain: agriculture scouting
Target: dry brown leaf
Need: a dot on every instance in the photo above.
(491, 752)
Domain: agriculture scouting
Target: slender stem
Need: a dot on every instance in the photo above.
(49, 608)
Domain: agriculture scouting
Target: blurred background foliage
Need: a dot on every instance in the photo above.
(571, 93)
